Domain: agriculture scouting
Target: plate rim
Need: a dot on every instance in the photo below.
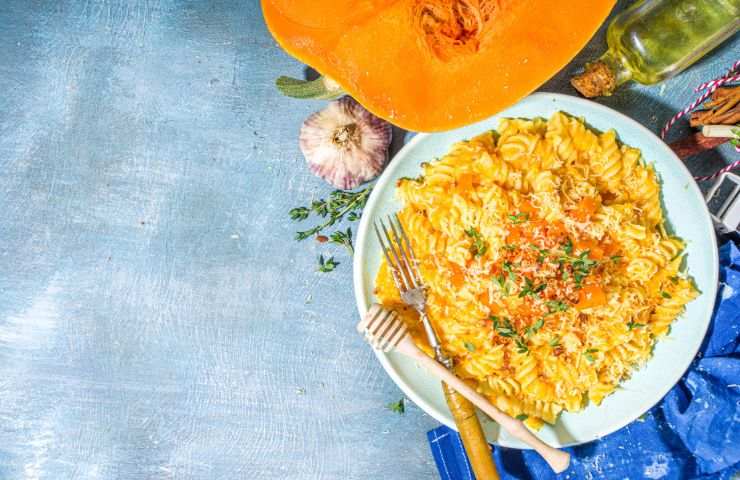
(359, 262)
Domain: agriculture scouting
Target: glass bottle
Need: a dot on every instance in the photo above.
(653, 40)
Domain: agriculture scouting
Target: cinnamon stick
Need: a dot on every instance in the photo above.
(722, 109)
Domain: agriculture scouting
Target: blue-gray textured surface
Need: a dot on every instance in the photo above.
(156, 318)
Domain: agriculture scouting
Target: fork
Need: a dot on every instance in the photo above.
(407, 278)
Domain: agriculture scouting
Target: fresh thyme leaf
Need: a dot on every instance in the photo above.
(320, 208)
(344, 239)
(503, 327)
(568, 247)
(353, 216)
(509, 247)
(397, 407)
(469, 346)
(522, 416)
(589, 354)
(554, 341)
(556, 306)
(565, 275)
(616, 258)
(507, 268)
(327, 265)
(479, 246)
(530, 288)
(519, 218)
(532, 329)
(632, 325)
(538, 324)
(299, 213)
(674, 279)
(521, 347)
(665, 294)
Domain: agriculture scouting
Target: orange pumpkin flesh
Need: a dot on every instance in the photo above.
(429, 65)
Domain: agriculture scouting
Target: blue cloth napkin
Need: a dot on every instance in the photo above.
(693, 433)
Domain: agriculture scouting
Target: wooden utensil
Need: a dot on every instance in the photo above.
(385, 331)
(408, 280)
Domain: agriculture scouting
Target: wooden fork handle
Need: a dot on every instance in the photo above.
(471, 433)
(557, 459)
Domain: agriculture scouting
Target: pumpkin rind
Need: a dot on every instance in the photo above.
(430, 65)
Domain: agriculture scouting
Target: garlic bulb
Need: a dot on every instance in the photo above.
(345, 144)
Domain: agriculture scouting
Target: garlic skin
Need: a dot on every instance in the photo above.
(345, 144)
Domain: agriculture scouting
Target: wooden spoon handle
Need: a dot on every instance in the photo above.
(557, 459)
(471, 433)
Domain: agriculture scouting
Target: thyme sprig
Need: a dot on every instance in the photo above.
(339, 204)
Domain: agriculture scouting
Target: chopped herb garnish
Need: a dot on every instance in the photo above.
(554, 341)
(530, 288)
(503, 284)
(534, 327)
(327, 265)
(543, 253)
(398, 407)
(556, 306)
(522, 416)
(616, 258)
(469, 346)
(674, 279)
(343, 238)
(503, 327)
(509, 247)
(665, 294)
(632, 325)
(479, 245)
(519, 218)
(568, 247)
(589, 354)
(507, 268)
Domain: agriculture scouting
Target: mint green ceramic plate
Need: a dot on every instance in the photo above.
(687, 215)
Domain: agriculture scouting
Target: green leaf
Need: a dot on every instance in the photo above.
(469, 346)
(632, 325)
(343, 238)
(299, 213)
(554, 306)
(327, 265)
(519, 218)
(568, 247)
(479, 246)
(554, 341)
(665, 294)
(398, 407)
(323, 88)
(522, 416)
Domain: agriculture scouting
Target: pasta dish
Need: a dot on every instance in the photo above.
(549, 269)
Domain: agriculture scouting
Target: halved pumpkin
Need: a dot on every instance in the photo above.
(430, 65)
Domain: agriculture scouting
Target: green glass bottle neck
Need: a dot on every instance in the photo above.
(619, 70)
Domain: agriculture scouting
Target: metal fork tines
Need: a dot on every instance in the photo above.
(405, 272)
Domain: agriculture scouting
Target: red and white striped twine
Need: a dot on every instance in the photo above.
(709, 88)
